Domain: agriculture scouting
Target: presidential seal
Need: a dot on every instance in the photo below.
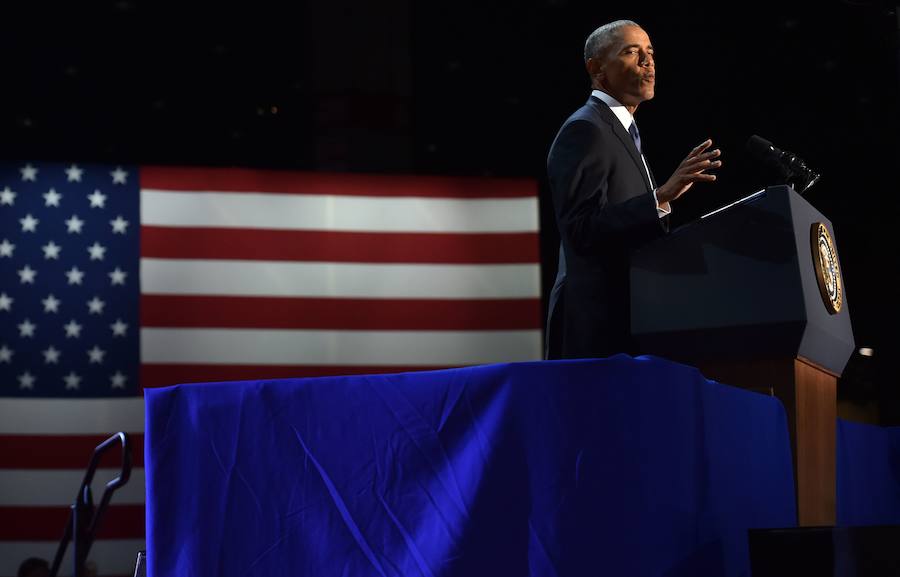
(828, 271)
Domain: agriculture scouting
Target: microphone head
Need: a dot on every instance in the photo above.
(770, 157)
(760, 147)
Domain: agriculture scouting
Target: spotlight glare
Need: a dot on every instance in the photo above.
(866, 351)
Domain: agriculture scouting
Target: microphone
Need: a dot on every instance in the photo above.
(789, 166)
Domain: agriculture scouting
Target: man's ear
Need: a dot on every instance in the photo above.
(595, 69)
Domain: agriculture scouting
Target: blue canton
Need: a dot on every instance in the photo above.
(69, 280)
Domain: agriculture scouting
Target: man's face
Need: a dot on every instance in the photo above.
(628, 71)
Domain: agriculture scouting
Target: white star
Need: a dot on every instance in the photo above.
(7, 196)
(97, 198)
(96, 355)
(51, 356)
(73, 329)
(51, 250)
(72, 380)
(73, 174)
(119, 176)
(51, 304)
(5, 302)
(29, 172)
(118, 328)
(29, 223)
(26, 275)
(95, 306)
(26, 380)
(119, 225)
(118, 276)
(118, 380)
(97, 251)
(74, 275)
(7, 248)
(51, 197)
(74, 224)
(26, 329)
(6, 354)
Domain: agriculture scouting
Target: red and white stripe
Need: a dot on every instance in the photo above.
(263, 274)
(47, 443)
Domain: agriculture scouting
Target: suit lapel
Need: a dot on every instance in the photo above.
(607, 115)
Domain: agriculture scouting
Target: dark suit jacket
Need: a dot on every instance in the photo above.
(604, 207)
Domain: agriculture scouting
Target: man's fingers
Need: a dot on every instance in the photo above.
(711, 154)
(700, 147)
(700, 163)
(692, 168)
(695, 171)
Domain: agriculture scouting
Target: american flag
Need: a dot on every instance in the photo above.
(118, 278)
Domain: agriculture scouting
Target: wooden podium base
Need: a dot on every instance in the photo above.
(809, 395)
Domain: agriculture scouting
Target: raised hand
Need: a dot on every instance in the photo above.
(692, 169)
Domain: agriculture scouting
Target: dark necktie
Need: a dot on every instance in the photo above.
(635, 136)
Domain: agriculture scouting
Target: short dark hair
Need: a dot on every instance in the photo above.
(601, 39)
(32, 564)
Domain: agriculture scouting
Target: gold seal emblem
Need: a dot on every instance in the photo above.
(828, 271)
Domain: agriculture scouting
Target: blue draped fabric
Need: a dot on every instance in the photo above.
(868, 474)
(620, 466)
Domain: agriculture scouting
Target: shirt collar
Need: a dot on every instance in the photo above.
(618, 109)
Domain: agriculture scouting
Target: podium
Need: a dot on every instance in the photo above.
(752, 295)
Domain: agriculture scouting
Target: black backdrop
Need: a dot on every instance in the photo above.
(478, 88)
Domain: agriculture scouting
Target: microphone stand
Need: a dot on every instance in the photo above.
(85, 518)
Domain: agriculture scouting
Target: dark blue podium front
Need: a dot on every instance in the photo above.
(620, 466)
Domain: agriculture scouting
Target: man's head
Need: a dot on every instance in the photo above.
(619, 59)
(34, 567)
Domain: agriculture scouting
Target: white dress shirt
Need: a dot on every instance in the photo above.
(627, 120)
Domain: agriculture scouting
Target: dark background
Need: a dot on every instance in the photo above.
(479, 88)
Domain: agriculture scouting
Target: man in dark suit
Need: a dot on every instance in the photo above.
(605, 197)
